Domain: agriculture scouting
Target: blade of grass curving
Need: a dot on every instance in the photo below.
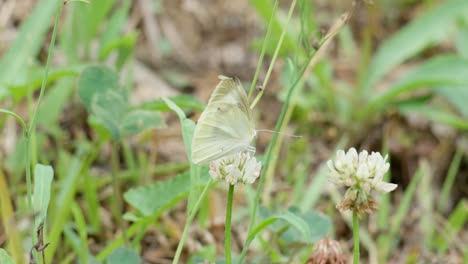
(456, 221)
(449, 180)
(17, 117)
(401, 212)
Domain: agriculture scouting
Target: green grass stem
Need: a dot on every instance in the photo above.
(227, 226)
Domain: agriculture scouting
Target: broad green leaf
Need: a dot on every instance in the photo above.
(432, 27)
(94, 80)
(443, 71)
(5, 258)
(110, 108)
(185, 102)
(123, 255)
(43, 176)
(139, 120)
(188, 126)
(27, 44)
(160, 196)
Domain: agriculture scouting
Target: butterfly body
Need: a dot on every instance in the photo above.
(226, 126)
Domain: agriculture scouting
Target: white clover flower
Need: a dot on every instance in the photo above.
(240, 167)
(361, 173)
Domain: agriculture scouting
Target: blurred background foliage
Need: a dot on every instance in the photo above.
(394, 80)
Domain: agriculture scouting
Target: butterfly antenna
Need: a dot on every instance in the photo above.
(272, 131)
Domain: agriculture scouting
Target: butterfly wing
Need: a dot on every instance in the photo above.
(226, 126)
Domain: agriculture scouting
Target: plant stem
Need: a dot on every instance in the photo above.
(227, 227)
(275, 55)
(310, 63)
(189, 221)
(356, 237)
(262, 53)
(32, 125)
(117, 202)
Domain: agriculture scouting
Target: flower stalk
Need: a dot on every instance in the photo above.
(356, 237)
(360, 174)
(227, 227)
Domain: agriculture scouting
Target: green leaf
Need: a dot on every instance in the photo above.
(158, 197)
(102, 95)
(188, 126)
(109, 108)
(5, 258)
(438, 72)
(125, 46)
(461, 42)
(436, 114)
(27, 44)
(456, 221)
(306, 228)
(136, 121)
(123, 255)
(91, 16)
(113, 29)
(95, 80)
(264, 9)
(33, 79)
(185, 102)
(56, 99)
(456, 96)
(432, 27)
(43, 176)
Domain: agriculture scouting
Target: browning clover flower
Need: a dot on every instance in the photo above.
(240, 167)
(361, 174)
(327, 251)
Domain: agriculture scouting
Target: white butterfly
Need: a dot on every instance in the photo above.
(226, 126)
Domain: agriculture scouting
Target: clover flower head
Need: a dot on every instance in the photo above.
(360, 173)
(240, 167)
